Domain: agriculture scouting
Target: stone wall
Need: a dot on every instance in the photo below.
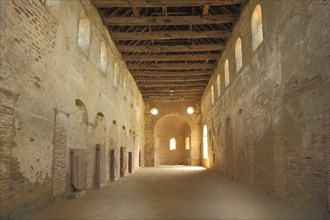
(55, 96)
(276, 107)
(176, 128)
(171, 114)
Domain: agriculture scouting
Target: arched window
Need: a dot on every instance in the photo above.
(115, 75)
(82, 117)
(187, 143)
(238, 54)
(103, 57)
(124, 88)
(218, 85)
(212, 94)
(84, 32)
(256, 27)
(227, 73)
(172, 144)
(205, 144)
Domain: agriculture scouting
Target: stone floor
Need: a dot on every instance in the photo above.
(173, 192)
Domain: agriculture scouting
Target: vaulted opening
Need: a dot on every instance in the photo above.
(171, 132)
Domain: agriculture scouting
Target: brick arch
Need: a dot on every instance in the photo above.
(168, 127)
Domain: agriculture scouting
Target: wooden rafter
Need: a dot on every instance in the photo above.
(170, 46)
(170, 20)
(171, 85)
(177, 90)
(171, 66)
(171, 100)
(168, 35)
(172, 79)
(173, 94)
(178, 48)
(161, 3)
(186, 73)
(170, 57)
(150, 92)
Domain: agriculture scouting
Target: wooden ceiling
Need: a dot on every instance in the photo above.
(171, 47)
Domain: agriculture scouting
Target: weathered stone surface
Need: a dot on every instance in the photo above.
(269, 128)
(278, 103)
(41, 61)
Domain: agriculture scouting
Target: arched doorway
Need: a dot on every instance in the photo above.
(171, 132)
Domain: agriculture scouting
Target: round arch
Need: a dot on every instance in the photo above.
(168, 128)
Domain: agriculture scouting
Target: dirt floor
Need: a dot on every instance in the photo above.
(173, 192)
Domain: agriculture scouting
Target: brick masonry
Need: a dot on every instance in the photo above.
(90, 158)
(7, 113)
(35, 34)
(41, 61)
(282, 91)
(59, 155)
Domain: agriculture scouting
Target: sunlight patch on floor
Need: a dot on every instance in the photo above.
(183, 167)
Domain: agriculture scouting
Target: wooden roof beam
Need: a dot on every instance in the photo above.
(178, 48)
(177, 93)
(174, 79)
(171, 66)
(183, 77)
(170, 20)
(187, 73)
(161, 3)
(174, 90)
(170, 57)
(173, 95)
(168, 35)
(181, 97)
(176, 100)
(171, 85)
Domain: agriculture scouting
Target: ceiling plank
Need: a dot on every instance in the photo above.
(150, 92)
(161, 3)
(182, 97)
(177, 90)
(174, 95)
(168, 35)
(178, 48)
(170, 20)
(171, 85)
(170, 66)
(175, 100)
(186, 73)
(187, 79)
(170, 57)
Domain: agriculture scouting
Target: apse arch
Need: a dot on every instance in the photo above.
(168, 127)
